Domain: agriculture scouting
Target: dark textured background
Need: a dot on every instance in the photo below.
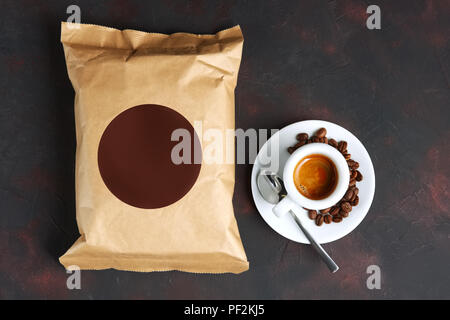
(302, 60)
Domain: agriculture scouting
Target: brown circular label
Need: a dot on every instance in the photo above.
(135, 157)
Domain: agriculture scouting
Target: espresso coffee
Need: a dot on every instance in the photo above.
(315, 176)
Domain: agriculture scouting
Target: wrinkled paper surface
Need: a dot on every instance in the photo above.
(113, 70)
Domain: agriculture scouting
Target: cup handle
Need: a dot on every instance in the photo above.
(283, 207)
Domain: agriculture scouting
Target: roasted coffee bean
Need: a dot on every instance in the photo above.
(353, 174)
(352, 182)
(355, 202)
(315, 139)
(302, 136)
(325, 140)
(299, 144)
(319, 220)
(312, 214)
(325, 210)
(321, 140)
(327, 219)
(343, 214)
(335, 211)
(352, 164)
(353, 197)
(291, 149)
(322, 132)
(348, 195)
(347, 156)
(359, 176)
(346, 206)
(355, 190)
(342, 146)
(333, 143)
(337, 219)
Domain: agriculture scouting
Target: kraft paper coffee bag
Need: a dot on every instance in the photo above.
(138, 209)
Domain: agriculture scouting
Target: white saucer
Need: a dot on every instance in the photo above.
(285, 225)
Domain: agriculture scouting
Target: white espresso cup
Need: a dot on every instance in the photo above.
(294, 198)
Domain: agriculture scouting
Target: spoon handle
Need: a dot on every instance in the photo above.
(323, 254)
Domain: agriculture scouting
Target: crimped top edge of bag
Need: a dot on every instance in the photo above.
(105, 37)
